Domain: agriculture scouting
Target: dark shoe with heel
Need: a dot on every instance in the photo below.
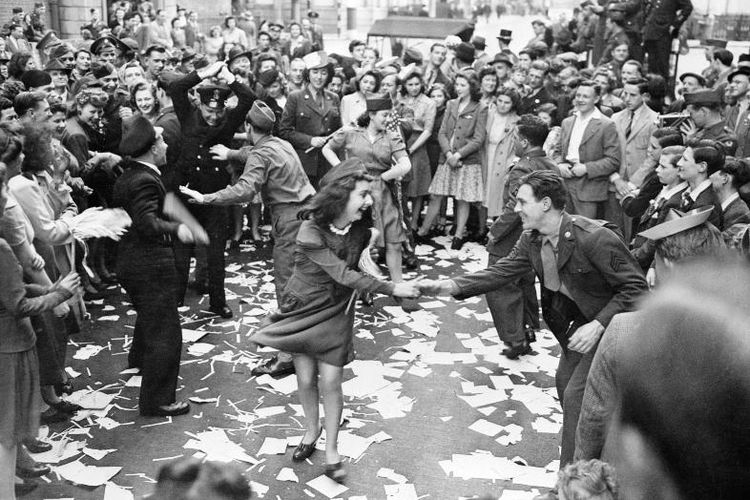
(36, 445)
(303, 451)
(457, 243)
(336, 472)
(516, 350)
(274, 367)
(36, 470)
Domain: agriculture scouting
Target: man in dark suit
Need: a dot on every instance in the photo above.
(538, 94)
(701, 159)
(587, 277)
(146, 268)
(204, 126)
(662, 20)
(590, 147)
(311, 115)
(726, 183)
(738, 115)
(514, 307)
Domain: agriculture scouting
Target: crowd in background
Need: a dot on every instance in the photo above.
(456, 118)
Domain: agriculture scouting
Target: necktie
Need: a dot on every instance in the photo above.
(630, 125)
(549, 265)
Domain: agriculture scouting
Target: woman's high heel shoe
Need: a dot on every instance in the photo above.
(336, 472)
(304, 450)
(457, 243)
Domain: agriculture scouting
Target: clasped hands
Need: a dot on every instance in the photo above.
(568, 171)
(420, 286)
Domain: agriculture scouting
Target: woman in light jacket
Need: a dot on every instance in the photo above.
(459, 174)
(501, 136)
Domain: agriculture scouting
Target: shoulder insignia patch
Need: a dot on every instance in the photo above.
(617, 262)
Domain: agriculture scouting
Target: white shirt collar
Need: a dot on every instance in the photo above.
(699, 189)
(725, 204)
(595, 114)
(667, 193)
(151, 166)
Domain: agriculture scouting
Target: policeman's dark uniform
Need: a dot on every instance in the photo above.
(196, 168)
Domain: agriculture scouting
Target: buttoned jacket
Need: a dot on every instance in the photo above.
(634, 146)
(463, 131)
(304, 118)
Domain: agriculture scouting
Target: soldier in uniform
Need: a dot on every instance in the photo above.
(662, 20)
(311, 115)
(587, 276)
(108, 49)
(204, 126)
(515, 306)
(316, 32)
(704, 107)
(273, 169)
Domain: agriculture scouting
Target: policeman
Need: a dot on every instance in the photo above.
(704, 107)
(273, 169)
(204, 126)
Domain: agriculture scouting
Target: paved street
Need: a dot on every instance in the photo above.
(417, 386)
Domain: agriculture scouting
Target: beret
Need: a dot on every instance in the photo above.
(35, 78)
(465, 52)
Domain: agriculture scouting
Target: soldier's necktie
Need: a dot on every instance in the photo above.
(549, 266)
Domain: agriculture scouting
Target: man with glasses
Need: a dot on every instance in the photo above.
(203, 126)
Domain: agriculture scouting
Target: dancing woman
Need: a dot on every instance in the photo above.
(315, 320)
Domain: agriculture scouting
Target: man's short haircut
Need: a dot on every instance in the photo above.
(668, 136)
(708, 151)
(354, 44)
(547, 184)
(674, 153)
(154, 48)
(724, 56)
(533, 54)
(635, 63)
(739, 169)
(591, 83)
(57, 107)
(540, 66)
(437, 44)
(533, 129)
(26, 101)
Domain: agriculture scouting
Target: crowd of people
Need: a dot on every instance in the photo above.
(597, 180)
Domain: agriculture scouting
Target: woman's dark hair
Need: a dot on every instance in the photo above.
(488, 71)
(611, 82)
(515, 97)
(533, 129)
(547, 184)
(708, 151)
(739, 169)
(37, 147)
(17, 64)
(56, 107)
(11, 145)
(442, 88)
(226, 21)
(415, 73)
(471, 79)
(329, 70)
(371, 72)
(327, 204)
(144, 86)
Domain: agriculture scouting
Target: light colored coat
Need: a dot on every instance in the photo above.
(497, 160)
(635, 147)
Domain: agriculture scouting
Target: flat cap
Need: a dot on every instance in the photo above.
(700, 78)
(137, 136)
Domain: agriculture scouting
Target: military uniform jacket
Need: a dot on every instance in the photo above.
(304, 118)
(601, 276)
(507, 228)
(659, 16)
(721, 133)
(195, 164)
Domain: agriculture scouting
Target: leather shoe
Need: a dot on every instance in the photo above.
(36, 445)
(516, 350)
(36, 470)
(336, 472)
(24, 488)
(66, 407)
(222, 311)
(64, 388)
(172, 410)
(274, 367)
(201, 287)
(304, 450)
(53, 416)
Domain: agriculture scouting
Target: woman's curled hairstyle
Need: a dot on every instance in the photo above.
(328, 203)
